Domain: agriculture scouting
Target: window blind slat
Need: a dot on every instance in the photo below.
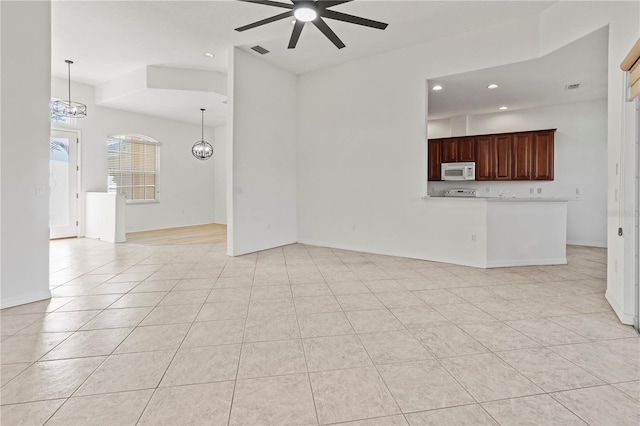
(635, 89)
(132, 163)
(632, 57)
(634, 74)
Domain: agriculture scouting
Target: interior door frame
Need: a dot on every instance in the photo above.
(636, 230)
(79, 197)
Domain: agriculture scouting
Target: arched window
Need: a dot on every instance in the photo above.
(133, 167)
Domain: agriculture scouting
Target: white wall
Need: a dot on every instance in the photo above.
(440, 128)
(25, 72)
(262, 185)
(220, 171)
(580, 163)
(186, 184)
(362, 149)
(564, 22)
(362, 133)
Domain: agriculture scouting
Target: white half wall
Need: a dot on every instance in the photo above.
(262, 186)
(25, 38)
(580, 174)
(186, 184)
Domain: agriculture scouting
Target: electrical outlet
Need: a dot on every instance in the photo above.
(473, 238)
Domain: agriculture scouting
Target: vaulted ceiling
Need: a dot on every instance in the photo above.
(111, 39)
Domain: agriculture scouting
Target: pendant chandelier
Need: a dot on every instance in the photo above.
(202, 149)
(69, 108)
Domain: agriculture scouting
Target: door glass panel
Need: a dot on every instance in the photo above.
(59, 182)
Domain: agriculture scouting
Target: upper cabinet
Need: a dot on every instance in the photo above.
(493, 157)
(543, 155)
(458, 149)
(504, 156)
(435, 159)
(533, 155)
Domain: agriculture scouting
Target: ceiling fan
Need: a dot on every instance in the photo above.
(312, 11)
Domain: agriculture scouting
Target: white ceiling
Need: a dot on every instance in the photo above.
(108, 39)
(527, 84)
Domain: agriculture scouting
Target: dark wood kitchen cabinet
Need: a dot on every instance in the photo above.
(533, 155)
(522, 152)
(542, 157)
(456, 150)
(504, 156)
(435, 159)
(493, 157)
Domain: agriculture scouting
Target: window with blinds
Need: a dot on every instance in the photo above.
(133, 166)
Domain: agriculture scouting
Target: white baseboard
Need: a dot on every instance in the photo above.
(388, 253)
(586, 243)
(260, 248)
(530, 262)
(622, 316)
(497, 264)
(21, 300)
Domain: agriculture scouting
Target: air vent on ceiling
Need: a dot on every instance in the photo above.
(573, 86)
(261, 50)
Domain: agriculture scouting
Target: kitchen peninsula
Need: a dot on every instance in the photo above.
(499, 232)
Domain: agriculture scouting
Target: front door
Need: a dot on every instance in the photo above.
(63, 183)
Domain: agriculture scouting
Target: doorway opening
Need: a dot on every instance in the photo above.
(64, 183)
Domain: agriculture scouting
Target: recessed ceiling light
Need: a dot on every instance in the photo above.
(305, 13)
(436, 87)
(209, 54)
(502, 108)
(492, 86)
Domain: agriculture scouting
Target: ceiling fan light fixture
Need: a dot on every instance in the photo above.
(314, 11)
(305, 13)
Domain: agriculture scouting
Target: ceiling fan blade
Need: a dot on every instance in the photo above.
(339, 16)
(295, 35)
(322, 26)
(269, 3)
(266, 21)
(323, 4)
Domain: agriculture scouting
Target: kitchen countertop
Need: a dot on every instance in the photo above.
(500, 199)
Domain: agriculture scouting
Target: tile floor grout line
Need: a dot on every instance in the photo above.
(155, 389)
(438, 361)
(373, 363)
(244, 330)
(304, 352)
(352, 265)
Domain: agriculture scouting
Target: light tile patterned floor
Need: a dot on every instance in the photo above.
(306, 335)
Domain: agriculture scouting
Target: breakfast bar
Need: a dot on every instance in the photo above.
(499, 232)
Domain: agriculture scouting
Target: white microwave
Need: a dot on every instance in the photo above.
(458, 171)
